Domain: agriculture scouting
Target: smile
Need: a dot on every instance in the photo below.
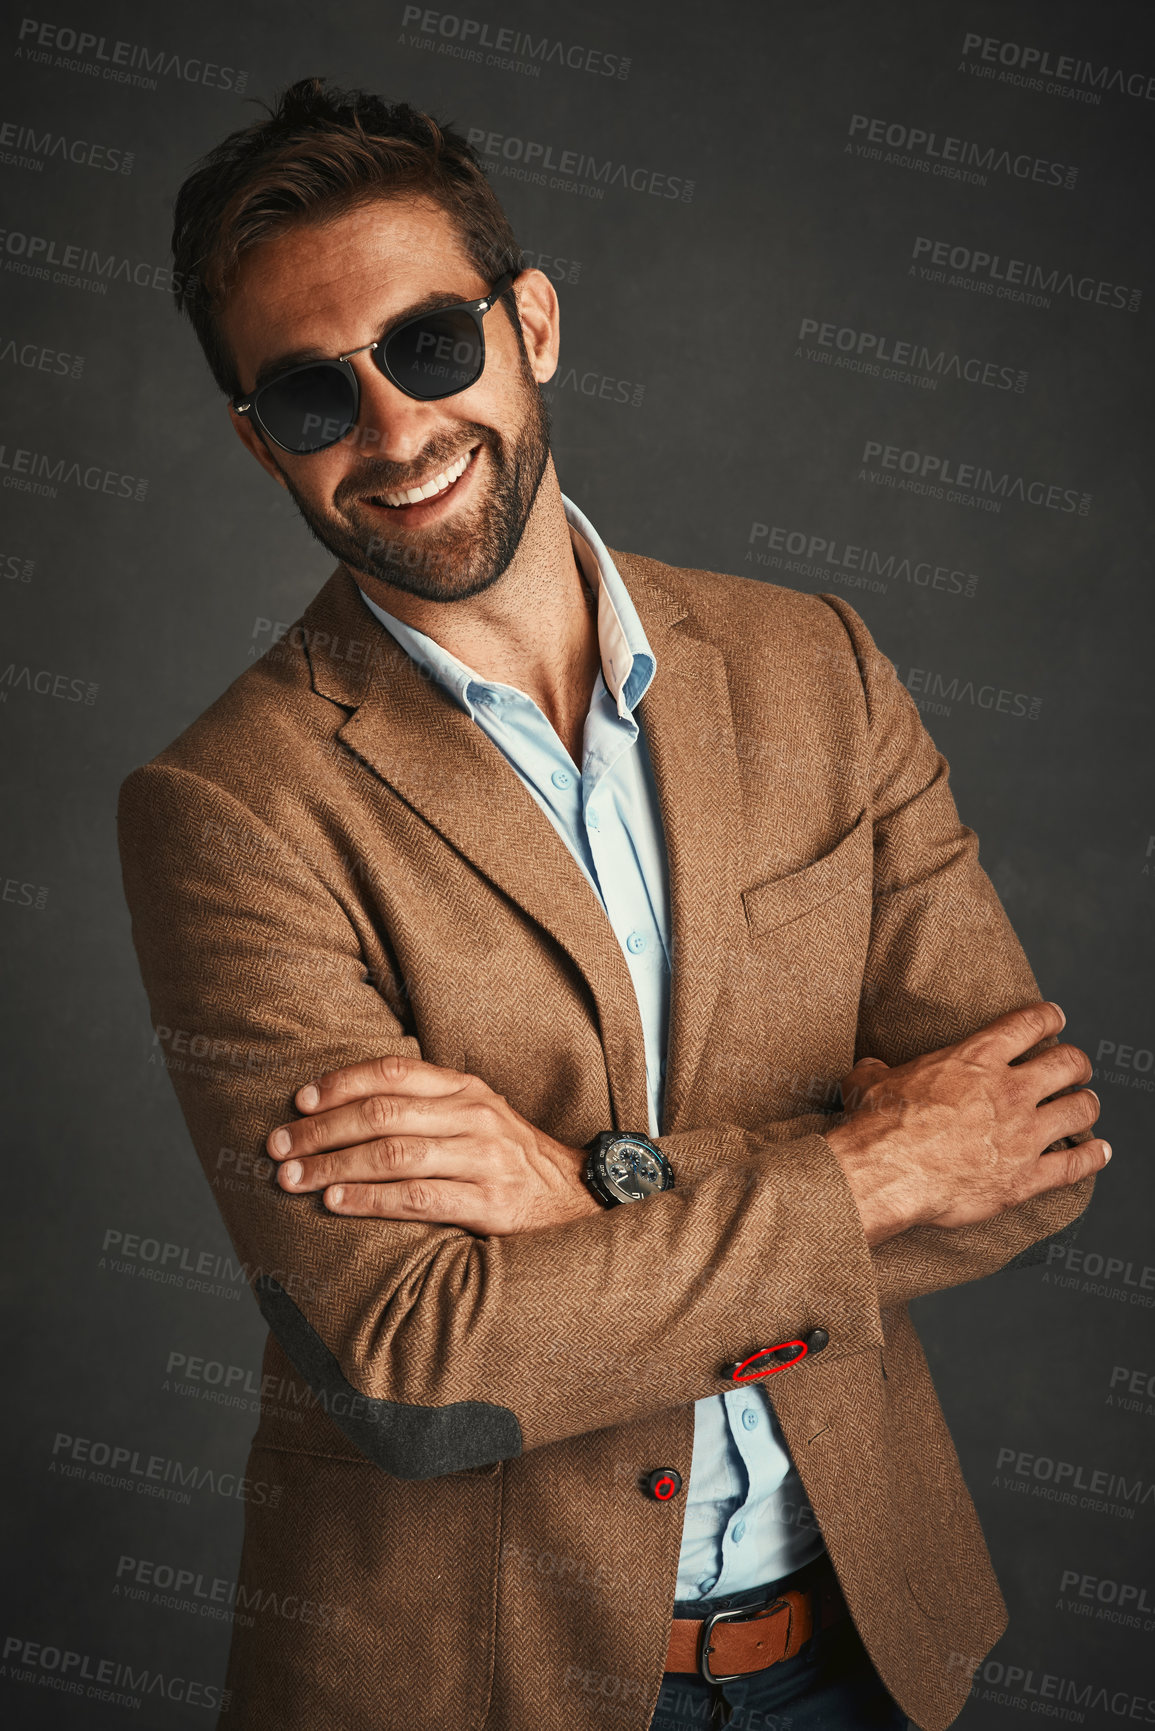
(430, 489)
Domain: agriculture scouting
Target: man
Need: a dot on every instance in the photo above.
(511, 924)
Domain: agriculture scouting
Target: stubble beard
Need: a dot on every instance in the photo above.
(454, 560)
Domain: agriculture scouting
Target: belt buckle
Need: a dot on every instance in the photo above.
(729, 1617)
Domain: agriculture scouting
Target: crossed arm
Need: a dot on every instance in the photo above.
(446, 1300)
(954, 1139)
(952, 1154)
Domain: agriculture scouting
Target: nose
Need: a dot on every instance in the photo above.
(390, 424)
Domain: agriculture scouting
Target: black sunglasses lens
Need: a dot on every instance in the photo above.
(308, 409)
(435, 354)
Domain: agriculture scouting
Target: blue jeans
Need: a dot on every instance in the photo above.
(830, 1685)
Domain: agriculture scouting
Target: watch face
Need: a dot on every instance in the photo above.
(630, 1170)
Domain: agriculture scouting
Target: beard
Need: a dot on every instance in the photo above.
(453, 560)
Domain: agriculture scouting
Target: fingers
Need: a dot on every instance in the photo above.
(1058, 1067)
(1066, 1115)
(1068, 1165)
(399, 1159)
(856, 1081)
(436, 1123)
(392, 1074)
(1011, 1035)
(439, 1201)
(368, 1120)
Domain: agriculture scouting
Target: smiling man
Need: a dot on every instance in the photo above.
(512, 926)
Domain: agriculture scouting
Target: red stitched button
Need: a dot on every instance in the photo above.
(663, 1484)
(758, 1364)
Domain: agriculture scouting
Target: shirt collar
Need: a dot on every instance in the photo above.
(628, 663)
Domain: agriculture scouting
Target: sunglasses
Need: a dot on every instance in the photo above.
(433, 355)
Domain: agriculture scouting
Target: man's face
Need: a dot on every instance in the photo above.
(321, 290)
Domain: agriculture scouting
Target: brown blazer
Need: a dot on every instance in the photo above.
(333, 863)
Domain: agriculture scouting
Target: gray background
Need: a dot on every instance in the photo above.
(152, 606)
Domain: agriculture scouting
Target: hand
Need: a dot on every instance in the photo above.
(958, 1135)
(399, 1139)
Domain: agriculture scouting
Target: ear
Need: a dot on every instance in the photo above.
(540, 316)
(246, 430)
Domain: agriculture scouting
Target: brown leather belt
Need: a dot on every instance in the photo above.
(751, 1637)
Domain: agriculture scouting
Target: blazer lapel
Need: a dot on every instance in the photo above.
(413, 736)
(689, 729)
(417, 740)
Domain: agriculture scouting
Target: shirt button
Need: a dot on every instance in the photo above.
(593, 820)
(750, 1418)
(738, 1532)
(636, 943)
(562, 778)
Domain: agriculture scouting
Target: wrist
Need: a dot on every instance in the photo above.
(881, 1191)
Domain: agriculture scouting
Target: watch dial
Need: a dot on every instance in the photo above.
(632, 1172)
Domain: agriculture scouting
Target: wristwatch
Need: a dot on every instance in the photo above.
(622, 1167)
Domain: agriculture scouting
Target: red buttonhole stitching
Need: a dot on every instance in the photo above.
(771, 1368)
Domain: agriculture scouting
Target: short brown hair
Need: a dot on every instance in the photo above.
(321, 151)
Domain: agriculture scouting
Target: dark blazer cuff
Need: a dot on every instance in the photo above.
(1040, 1252)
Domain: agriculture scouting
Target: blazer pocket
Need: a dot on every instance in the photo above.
(780, 900)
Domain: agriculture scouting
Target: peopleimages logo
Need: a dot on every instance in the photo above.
(829, 556)
(24, 147)
(48, 260)
(951, 158)
(542, 164)
(79, 1457)
(119, 62)
(945, 477)
(36, 472)
(1032, 67)
(113, 1680)
(1014, 279)
(1119, 1280)
(1100, 1485)
(144, 1580)
(1109, 1594)
(1009, 1684)
(46, 682)
(465, 38)
(40, 358)
(935, 694)
(888, 357)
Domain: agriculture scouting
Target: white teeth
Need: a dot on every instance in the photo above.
(430, 489)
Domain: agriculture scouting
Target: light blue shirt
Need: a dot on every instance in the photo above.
(747, 1519)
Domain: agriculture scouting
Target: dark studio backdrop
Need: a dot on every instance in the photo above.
(855, 299)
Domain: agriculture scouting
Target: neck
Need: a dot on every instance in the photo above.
(535, 628)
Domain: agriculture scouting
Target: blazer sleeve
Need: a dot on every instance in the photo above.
(449, 1351)
(943, 961)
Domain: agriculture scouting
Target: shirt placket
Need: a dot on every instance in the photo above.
(746, 1419)
(607, 813)
(609, 741)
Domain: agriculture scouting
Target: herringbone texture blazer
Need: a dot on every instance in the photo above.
(333, 863)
